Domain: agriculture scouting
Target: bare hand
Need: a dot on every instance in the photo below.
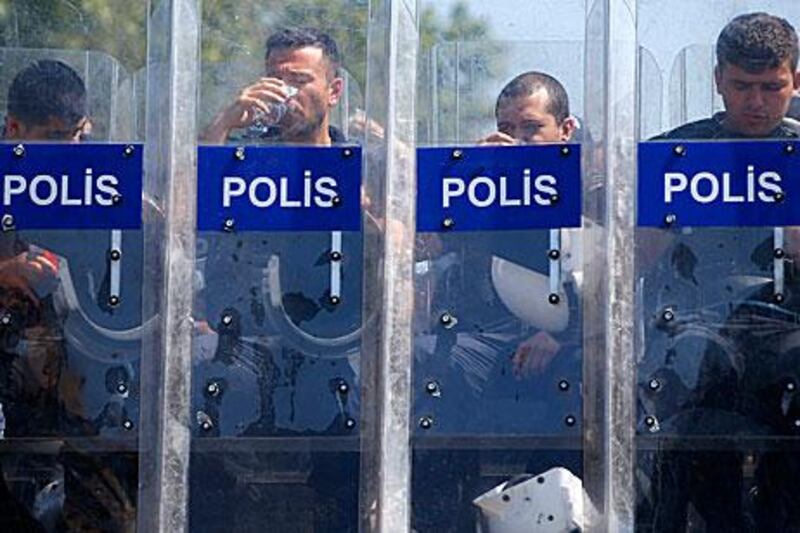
(534, 355)
(498, 138)
(31, 273)
(362, 127)
(253, 100)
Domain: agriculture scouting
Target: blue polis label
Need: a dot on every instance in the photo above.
(71, 186)
(498, 188)
(279, 188)
(730, 183)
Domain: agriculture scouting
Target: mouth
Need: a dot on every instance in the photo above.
(755, 117)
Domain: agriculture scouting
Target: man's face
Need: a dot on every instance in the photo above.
(308, 70)
(528, 119)
(755, 103)
(55, 129)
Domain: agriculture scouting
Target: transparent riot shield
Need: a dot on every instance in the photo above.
(497, 368)
(716, 314)
(72, 318)
(650, 102)
(277, 347)
(469, 75)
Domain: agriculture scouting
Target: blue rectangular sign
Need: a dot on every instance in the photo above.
(724, 184)
(279, 188)
(71, 186)
(498, 188)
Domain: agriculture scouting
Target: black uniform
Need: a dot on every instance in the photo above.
(718, 369)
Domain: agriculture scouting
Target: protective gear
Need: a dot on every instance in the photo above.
(550, 502)
(524, 292)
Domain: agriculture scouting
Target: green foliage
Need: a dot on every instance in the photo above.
(232, 29)
(457, 56)
(235, 30)
(116, 27)
(233, 35)
(460, 25)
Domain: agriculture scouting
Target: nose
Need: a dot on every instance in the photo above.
(756, 98)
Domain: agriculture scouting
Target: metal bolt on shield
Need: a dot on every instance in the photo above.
(432, 388)
(8, 222)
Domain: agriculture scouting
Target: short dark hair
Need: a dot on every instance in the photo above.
(756, 42)
(293, 38)
(46, 89)
(528, 83)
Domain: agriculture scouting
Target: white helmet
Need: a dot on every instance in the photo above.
(551, 502)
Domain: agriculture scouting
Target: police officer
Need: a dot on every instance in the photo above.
(303, 387)
(495, 375)
(301, 73)
(719, 378)
(46, 102)
(41, 392)
(306, 63)
(533, 108)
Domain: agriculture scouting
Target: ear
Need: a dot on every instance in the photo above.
(12, 128)
(718, 78)
(568, 127)
(796, 80)
(335, 90)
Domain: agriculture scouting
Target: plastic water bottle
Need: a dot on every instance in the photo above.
(264, 120)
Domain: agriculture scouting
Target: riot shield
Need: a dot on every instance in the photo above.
(497, 368)
(72, 291)
(277, 347)
(716, 371)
